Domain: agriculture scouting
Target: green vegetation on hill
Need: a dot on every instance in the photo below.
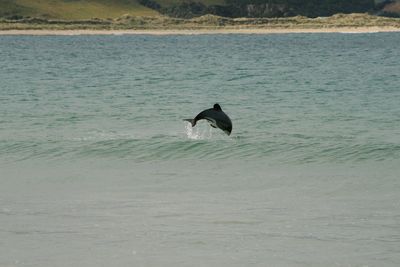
(73, 9)
(111, 9)
(269, 8)
(309, 8)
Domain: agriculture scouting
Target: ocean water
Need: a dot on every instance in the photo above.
(98, 168)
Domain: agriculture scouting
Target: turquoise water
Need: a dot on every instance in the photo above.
(97, 163)
(292, 98)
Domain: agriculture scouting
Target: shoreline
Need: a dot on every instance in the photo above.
(223, 30)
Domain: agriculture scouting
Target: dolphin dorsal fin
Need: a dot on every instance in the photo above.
(217, 107)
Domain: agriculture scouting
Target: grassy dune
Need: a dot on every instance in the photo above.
(207, 22)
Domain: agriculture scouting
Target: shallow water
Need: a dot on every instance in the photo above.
(97, 167)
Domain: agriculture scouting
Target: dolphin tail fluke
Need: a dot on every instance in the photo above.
(192, 121)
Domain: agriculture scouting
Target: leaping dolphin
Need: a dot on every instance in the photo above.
(216, 117)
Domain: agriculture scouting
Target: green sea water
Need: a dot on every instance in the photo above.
(292, 98)
(98, 167)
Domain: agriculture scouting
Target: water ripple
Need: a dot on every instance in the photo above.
(289, 103)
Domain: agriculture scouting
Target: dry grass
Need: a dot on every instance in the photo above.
(128, 21)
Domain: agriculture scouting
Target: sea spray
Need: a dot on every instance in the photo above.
(198, 133)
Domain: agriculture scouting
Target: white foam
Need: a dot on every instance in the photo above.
(199, 132)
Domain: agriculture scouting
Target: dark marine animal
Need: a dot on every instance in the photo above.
(216, 117)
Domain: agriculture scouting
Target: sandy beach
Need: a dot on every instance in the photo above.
(204, 31)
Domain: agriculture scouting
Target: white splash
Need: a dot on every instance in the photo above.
(199, 132)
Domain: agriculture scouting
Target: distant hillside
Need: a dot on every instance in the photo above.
(270, 8)
(73, 9)
(103, 9)
(390, 9)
